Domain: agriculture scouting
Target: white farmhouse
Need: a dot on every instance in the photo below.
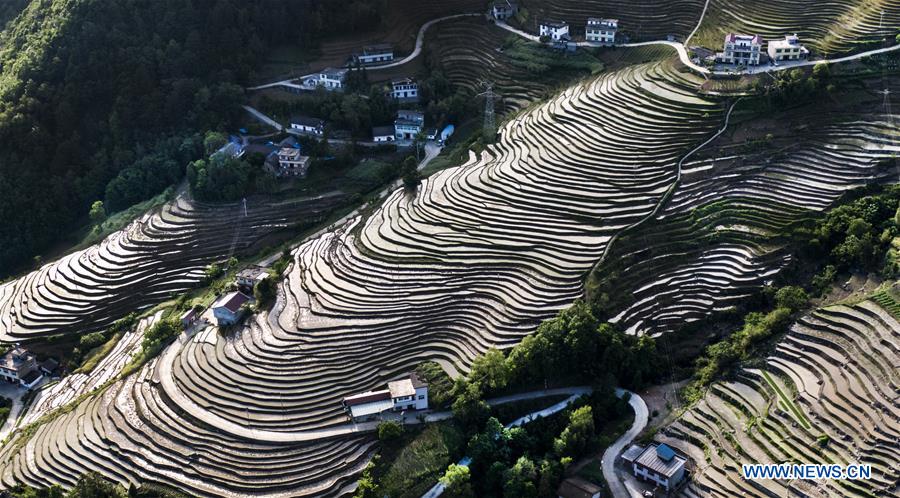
(383, 134)
(601, 30)
(658, 463)
(405, 89)
(554, 30)
(330, 78)
(375, 54)
(741, 49)
(19, 366)
(788, 49)
(408, 393)
(308, 125)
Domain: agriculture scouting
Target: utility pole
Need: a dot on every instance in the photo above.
(245, 206)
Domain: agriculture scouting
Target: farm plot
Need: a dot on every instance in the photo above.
(475, 258)
(826, 28)
(155, 257)
(719, 237)
(827, 394)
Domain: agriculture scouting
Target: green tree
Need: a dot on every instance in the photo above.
(389, 431)
(97, 213)
(575, 438)
(468, 407)
(265, 291)
(791, 297)
(410, 174)
(213, 141)
(520, 480)
(490, 370)
(457, 482)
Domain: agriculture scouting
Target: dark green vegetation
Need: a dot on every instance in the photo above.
(10, 9)
(104, 100)
(527, 461)
(95, 486)
(857, 236)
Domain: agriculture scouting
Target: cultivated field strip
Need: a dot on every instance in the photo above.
(77, 384)
(131, 433)
(640, 19)
(825, 27)
(718, 238)
(476, 258)
(837, 370)
(155, 257)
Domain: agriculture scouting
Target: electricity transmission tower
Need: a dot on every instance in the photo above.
(489, 97)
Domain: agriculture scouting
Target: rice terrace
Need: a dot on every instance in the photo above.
(459, 248)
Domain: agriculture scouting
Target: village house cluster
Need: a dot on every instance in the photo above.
(747, 50)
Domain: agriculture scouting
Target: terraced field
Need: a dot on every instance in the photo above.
(828, 393)
(720, 236)
(476, 258)
(155, 257)
(826, 28)
(640, 19)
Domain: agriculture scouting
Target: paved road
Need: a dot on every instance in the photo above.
(686, 60)
(14, 393)
(263, 118)
(576, 392)
(608, 462)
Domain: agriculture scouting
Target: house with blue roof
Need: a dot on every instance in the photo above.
(657, 463)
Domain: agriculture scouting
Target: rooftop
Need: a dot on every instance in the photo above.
(251, 272)
(554, 24)
(602, 22)
(231, 301)
(382, 131)
(735, 37)
(287, 153)
(367, 397)
(333, 72)
(378, 48)
(370, 408)
(576, 487)
(14, 358)
(306, 121)
(403, 81)
(402, 387)
(661, 459)
(632, 453)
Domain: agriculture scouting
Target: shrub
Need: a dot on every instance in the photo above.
(389, 430)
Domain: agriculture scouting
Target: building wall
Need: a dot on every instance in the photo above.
(642, 472)
(422, 398)
(553, 33)
(225, 317)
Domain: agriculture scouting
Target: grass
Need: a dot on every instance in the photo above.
(785, 401)
(93, 357)
(887, 301)
(419, 464)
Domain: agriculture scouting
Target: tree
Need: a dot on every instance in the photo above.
(490, 370)
(791, 297)
(213, 141)
(576, 437)
(410, 173)
(456, 481)
(389, 430)
(97, 213)
(265, 291)
(468, 408)
(519, 480)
